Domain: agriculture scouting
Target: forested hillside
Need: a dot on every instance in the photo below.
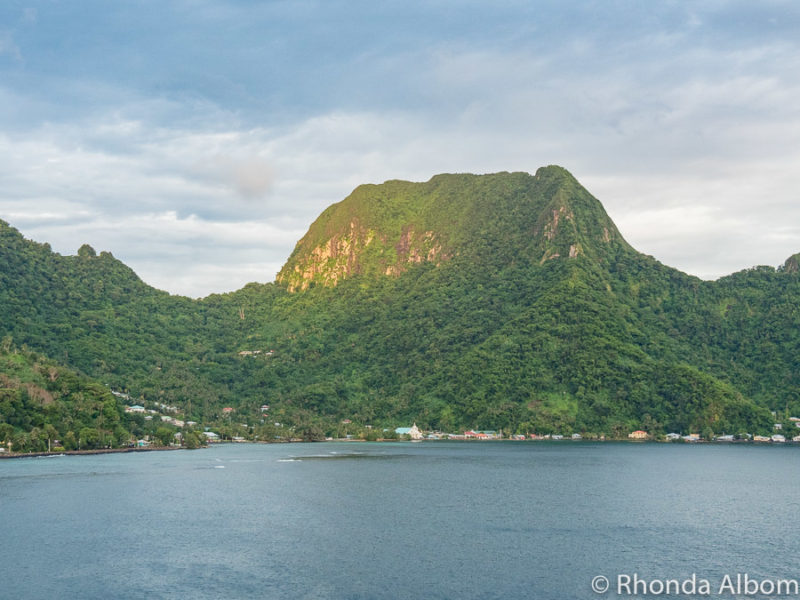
(499, 301)
(44, 406)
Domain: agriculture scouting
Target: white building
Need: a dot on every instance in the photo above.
(412, 431)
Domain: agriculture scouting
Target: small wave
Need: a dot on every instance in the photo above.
(289, 460)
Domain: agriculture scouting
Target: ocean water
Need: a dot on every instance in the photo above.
(397, 520)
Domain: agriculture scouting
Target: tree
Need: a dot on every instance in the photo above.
(6, 432)
(191, 440)
(20, 442)
(50, 433)
(70, 441)
(310, 432)
(35, 440)
(88, 438)
(165, 436)
(86, 251)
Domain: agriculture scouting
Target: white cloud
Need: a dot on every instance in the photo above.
(687, 134)
(233, 203)
(189, 256)
(710, 221)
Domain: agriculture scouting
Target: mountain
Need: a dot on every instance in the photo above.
(506, 300)
(385, 229)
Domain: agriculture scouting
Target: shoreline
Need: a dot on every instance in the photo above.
(83, 452)
(6, 455)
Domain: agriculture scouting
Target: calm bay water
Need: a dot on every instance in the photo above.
(399, 520)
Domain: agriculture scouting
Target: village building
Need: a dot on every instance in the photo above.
(412, 431)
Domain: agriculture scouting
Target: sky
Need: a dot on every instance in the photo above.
(197, 140)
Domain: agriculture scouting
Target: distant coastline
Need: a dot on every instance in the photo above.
(6, 455)
(82, 452)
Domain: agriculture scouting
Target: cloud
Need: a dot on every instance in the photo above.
(189, 256)
(142, 195)
(159, 196)
(184, 158)
(744, 214)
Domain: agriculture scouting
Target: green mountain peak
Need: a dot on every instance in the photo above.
(505, 300)
(383, 230)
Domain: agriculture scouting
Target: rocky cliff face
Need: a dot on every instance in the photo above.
(345, 254)
(382, 230)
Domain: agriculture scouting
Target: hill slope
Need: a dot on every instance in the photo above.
(504, 300)
(385, 229)
(43, 405)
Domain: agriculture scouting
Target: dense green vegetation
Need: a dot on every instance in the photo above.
(502, 301)
(45, 406)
